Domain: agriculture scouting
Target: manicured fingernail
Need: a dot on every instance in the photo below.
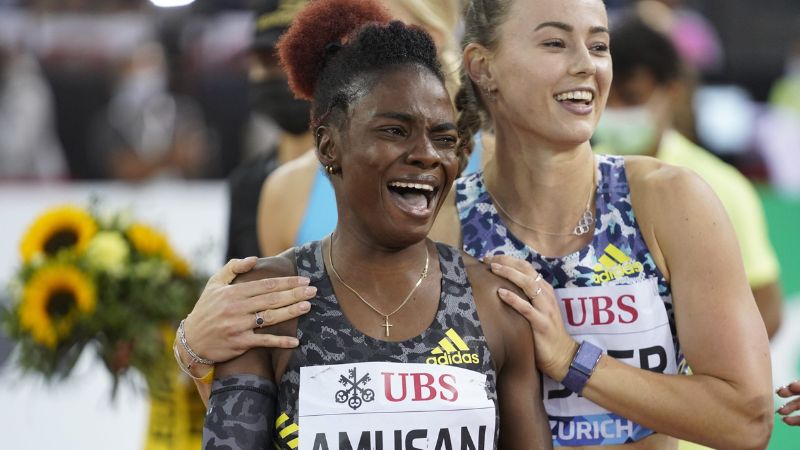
(309, 291)
(495, 266)
(304, 306)
(303, 281)
(251, 258)
(294, 342)
(502, 292)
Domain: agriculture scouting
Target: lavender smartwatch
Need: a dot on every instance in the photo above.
(582, 366)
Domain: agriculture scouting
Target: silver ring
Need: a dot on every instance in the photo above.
(536, 294)
(259, 320)
(538, 278)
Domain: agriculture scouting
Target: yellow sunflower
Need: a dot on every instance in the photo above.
(59, 228)
(151, 242)
(179, 265)
(147, 240)
(51, 301)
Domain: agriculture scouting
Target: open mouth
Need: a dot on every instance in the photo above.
(580, 97)
(414, 197)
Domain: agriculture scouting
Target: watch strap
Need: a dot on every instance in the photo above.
(582, 366)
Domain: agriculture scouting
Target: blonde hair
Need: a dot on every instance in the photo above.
(440, 18)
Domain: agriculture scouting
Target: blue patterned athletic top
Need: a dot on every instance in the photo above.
(610, 292)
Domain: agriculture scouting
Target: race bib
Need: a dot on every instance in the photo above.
(630, 323)
(383, 405)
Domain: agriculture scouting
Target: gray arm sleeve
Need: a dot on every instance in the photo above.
(241, 413)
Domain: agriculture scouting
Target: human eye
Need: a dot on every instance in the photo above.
(446, 142)
(393, 131)
(599, 47)
(554, 43)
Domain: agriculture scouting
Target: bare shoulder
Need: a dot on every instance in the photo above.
(672, 204)
(653, 178)
(483, 280)
(282, 265)
(290, 178)
(294, 172)
(500, 323)
(282, 203)
(663, 193)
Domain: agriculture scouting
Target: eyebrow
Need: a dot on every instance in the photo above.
(396, 115)
(569, 28)
(447, 126)
(404, 117)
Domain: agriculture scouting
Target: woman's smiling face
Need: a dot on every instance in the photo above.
(397, 153)
(553, 68)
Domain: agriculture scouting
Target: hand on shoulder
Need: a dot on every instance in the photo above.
(220, 326)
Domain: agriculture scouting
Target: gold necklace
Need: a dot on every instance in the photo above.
(584, 223)
(386, 323)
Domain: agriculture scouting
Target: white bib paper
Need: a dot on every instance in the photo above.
(630, 323)
(394, 406)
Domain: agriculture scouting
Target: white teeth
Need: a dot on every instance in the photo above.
(422, 187)
(575, 95)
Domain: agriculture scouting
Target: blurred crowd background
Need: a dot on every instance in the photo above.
(126, 89)
(103, 93)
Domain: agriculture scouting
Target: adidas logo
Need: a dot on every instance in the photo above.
(613, 264)
(452, 350)
(288, 431)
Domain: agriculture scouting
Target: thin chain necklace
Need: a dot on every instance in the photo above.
(584, 223)
(386, 323)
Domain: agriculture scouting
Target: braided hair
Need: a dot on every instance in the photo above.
(482, 20)
(334, 47)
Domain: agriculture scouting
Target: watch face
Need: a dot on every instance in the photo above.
(586, 358)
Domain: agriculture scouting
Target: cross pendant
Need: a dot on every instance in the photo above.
(386, 324)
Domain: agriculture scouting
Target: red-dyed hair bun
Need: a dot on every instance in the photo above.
(302, 49)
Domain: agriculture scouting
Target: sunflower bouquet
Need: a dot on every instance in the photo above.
(103, 280)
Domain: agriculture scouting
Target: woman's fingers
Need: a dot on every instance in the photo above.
(525, 278)
(790, 407)
(511, 261)
(792, 420)
(554, 346)
(789, 390)
(221, 324)
(265, 286)
(270, 340)
(522, 306)
(278, 315)
(231, 269)
(280, 299)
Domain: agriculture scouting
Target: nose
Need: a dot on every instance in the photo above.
(582, 63)
(423, 154)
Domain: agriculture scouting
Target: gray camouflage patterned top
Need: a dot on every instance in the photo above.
(326, 336)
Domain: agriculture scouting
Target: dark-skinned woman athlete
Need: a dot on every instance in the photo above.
(406, 345)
